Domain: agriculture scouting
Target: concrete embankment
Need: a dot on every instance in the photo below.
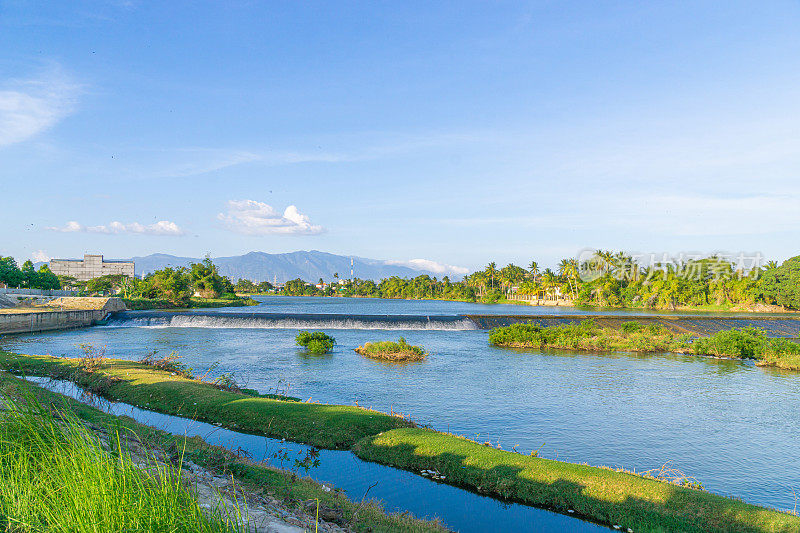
(778, 326)
(62, 313)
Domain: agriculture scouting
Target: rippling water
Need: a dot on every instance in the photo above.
(732, 425)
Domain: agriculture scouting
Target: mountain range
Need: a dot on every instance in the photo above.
(307, 265)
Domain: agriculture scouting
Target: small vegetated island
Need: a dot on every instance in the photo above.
(316, 342)
(739, 343)
(392, 351)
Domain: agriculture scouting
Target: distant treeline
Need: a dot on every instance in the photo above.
(604, 279)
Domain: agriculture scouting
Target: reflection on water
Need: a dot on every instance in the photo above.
(400, 491)
(728, 423)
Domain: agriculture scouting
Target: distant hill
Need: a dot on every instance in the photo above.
(310, 266)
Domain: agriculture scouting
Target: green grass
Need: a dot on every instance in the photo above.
(630, 337)
(392, 351)
(56, 476)
(325, 426)
(597, 493)
(751, 343)
(604, 495)
(366, 516)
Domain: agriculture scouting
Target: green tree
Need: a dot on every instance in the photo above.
(10, 274)
(781, 285)
(206, 281)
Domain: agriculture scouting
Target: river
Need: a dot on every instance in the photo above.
(728, 423)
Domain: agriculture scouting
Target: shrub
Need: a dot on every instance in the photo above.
(315, 342)
(747, 343)
(167, 363)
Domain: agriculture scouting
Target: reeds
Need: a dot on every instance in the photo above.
(57, 475)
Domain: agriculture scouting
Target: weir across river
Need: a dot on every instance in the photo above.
(774, 325)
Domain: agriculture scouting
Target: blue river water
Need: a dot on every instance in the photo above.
(730, 424)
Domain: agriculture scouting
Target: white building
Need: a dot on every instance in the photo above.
(91, 266)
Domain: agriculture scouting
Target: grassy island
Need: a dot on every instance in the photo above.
(738, 343)
(587, 335)
(600, 494)
(392, 351)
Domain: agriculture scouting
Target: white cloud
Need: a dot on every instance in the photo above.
(40, 256)
(29, 107)
(430, 266)
(162, 227)
(251, 217)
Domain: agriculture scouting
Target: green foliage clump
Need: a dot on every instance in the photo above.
(27, 277)
(316, 342)
(55, 475)
(745, 343)
(781, 285)
(587, 335)
(392, 351)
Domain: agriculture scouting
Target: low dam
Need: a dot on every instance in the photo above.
(774, 325)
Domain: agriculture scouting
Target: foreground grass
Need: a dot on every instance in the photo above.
(324, 426)
(603, 495)
(56, 476)
(367, 516)
(586, 335)
(392, 351)
(143, 304)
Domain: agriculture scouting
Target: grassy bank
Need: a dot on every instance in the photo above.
(392, 351)
(603, 495)
(586, 335)
(741, 343)
(325, 426)
(361, 516)
(55, 475)
(143, 304)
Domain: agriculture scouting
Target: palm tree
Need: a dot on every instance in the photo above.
(533, 268)
(491, 271)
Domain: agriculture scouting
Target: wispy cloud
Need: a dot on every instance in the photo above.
(40, 256)
(251, 217)
(430, 266)
(161, 228)
(29, 107)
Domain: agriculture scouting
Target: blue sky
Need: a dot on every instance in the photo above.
(454, 132)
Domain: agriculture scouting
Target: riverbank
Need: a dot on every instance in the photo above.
(272, 499)
(606, 496)
(633, 336)
(144, 304)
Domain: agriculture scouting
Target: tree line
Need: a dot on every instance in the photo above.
(27, 277)
(605, 279)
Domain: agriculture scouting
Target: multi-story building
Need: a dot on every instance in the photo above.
(91, 266)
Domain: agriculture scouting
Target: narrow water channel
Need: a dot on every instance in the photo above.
(458, 509)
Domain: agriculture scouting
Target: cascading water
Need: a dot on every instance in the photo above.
(160, 319)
